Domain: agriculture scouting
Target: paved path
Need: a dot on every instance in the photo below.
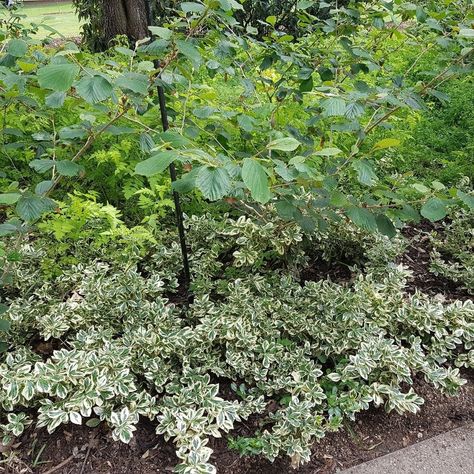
(449, 453)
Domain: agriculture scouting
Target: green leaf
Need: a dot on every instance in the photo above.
(187, 49)
(31, 207)
(434, 210)
(156, 164)
(365, 173)
(256, 180)
(467, 199)
(17, 48)
(421, 188)
(204, 112)
(271, 20)
(334, 107)
(328, 152)
(134, 82)
(9, 198)
(94, 89)
(42, 166)
(246, 123)
(362, 218)
(57, 77)
(55, 100)
(466, 32)
(192, 7)
(164, 33)
(43, 187)
(174, 138)
(93, 422)
(385, 226)
(284, 144)
(7, 229)
(68, 168)
(214, 183)
(386, 143)
(3, 308)
(4, 325)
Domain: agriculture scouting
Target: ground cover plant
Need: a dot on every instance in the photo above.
(292, 162)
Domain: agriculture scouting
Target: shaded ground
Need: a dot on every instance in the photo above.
(417, 259)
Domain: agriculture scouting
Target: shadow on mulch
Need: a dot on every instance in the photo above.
(417, 259)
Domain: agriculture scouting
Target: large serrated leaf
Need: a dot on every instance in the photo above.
(256, 180)
(362, 218)
(17, 47)
(94, 89)
(155, 164)
(214, 183)
(9, 198)
(57, 77)
(134, 82)
(284, 144)
(434, 210)
(467, 199)
(30, 207)
(365, 173)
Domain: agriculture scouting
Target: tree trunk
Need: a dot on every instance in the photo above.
(125, 17)
(137, 15)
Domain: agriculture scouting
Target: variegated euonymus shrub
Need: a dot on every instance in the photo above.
(111, 347)
(453, 250)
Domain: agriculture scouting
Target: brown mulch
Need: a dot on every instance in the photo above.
(417, 259)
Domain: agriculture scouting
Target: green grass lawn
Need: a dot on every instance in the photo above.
(58, 15)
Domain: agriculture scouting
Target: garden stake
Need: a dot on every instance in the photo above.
(172, 170)
(177, 201)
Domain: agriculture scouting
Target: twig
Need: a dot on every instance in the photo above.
(85, 459)
(60, 465)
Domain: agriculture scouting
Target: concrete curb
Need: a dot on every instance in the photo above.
(449, 453)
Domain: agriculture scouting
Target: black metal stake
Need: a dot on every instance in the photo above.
(172, 169)
(177, 201)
